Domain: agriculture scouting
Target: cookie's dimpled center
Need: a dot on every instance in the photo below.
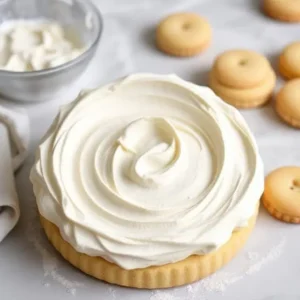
(243, 62)
(186, 26)
(296, 185)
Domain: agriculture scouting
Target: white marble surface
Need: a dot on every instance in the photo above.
(269, 264)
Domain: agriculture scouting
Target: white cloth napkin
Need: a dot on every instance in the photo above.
(14, 136)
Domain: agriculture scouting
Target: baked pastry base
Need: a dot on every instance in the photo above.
(183, 272)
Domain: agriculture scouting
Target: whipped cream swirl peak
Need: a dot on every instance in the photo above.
(147, 170)
(156, 148)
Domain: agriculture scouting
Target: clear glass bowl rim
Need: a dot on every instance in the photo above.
(72, 62)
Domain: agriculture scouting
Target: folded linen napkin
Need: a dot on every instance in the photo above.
(14, 136)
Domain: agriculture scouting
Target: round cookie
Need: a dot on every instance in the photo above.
(241, 68)
(245, 98)
(242, 78)
(283, 10)
(282, 194)
(183, 34)
(288, 103)
(289, 61)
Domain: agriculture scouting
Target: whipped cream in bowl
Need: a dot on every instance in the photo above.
(32, 45)
(148, 170)
(45, 46)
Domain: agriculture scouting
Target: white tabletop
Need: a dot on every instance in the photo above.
(269, 264)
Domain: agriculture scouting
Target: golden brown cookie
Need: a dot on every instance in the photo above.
(183, 34)
(288, 103)
(241, 69)
(183, 272)
(289, 61)
(282, 194)
(283, 10)
(242, 78)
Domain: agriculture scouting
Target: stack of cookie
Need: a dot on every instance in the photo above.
(283, 10)
(288, 103)
(289, 61)
(242, 78)
(288, 99)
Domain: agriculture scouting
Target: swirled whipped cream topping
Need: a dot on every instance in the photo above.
(148, 170)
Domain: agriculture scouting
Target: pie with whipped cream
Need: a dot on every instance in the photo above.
(148, 182)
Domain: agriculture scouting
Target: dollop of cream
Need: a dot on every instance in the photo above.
(156, 147)
(148, 170)
(32, 45)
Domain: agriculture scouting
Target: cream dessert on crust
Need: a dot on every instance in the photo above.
(148, 182)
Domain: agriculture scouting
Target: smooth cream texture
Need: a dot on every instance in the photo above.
(32, 45)
(148, 170)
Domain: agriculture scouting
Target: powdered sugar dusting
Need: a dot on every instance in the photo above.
(112, 293)
(220, 281)
(50, 262)
(252, 255)
(161, 295)
(273, 254)
(46, 284)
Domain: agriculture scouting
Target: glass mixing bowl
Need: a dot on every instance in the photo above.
(77, 16)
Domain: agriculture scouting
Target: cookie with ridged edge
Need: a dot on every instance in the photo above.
(282, 194)
(289, 61)
(183, 34)
(183, 272)
(287, 103)
(282, 10)
(244, 98)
